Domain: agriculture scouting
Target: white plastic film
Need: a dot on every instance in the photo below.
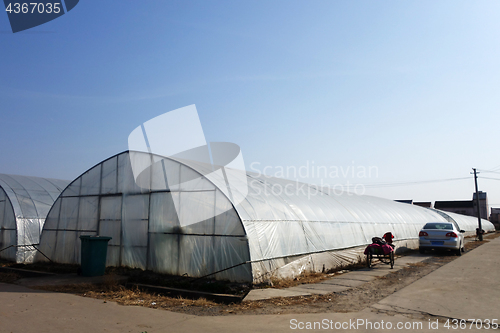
(24, 205)
(109, 176)
(91, 181)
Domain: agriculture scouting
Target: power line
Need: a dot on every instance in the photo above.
(375, 185)
(495, 168)
(489, 178)
(488, 171)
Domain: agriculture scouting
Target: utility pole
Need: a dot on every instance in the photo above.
(480, 234)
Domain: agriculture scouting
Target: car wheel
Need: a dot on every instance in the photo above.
(458, 252)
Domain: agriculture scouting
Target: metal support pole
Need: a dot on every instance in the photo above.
(480, 234)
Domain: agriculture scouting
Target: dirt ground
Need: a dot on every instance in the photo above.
(351, 300)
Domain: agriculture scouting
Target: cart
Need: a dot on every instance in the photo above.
(376, 251)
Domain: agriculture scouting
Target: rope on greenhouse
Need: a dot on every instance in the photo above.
(307, 253)
(222, 270)
(32, 245)
(8, 247)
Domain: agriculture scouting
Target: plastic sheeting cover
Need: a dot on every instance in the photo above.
(24, 204)
(180, 224)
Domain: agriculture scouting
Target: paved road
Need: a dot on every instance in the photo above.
(27, 310)
(466, 288)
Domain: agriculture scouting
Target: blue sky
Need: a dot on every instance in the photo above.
(410, 87)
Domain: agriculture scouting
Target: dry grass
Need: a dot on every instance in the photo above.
(418, 264)
(311, 277)
(9, 277)
(492, 235)
(305, 277)
(112, 291)
(180, 282)
(472, 245)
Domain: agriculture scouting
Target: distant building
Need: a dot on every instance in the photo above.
(483, 204)
(426, 204)
(495, 211)
(459, 207)
(466, 207)
(405, 201)
(495, 217)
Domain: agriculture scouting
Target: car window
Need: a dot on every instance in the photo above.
(439, 226)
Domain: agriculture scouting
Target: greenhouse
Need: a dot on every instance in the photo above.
(192, 219)
(24, 204)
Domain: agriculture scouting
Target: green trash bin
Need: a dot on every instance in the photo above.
(93, 255)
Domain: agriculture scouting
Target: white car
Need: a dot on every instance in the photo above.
(441, 235)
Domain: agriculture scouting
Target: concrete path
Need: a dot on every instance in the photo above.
(33, 311)
(466, 288)
(338, 283)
